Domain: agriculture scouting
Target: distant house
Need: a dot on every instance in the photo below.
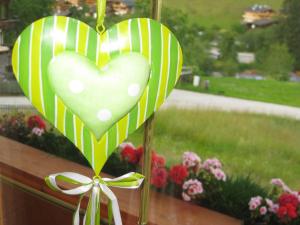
(114, 7)
(120, 7)
(246, 57)
(215, 53)
(259, 16)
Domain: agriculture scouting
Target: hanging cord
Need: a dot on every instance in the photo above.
(101, 8)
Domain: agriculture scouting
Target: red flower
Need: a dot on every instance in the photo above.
(129, 154)
(159, 177)
(287, 210)
(157, 160)
(286, 198)
(36, 121)
(281, 212)
(178, 174)
(291, 211)
(140, 152)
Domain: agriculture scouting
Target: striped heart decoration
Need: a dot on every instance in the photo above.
(49, 37)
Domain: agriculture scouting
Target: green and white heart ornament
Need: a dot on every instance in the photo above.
(96, 89)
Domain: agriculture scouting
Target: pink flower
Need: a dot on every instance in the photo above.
(212, 163)
(279, 183)
(263, 210)
(191, 188)
(190, 160)
(218, 174)
(297, 195)
(186, 197)
(38, 131)
(272, 207)
(255, 202)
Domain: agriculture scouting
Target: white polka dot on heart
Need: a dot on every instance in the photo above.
(133, 90)
(104, 115)
(76, 86)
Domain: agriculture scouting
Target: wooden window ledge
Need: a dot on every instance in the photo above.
(26, 199)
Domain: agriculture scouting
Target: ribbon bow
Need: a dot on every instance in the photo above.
(96, 185)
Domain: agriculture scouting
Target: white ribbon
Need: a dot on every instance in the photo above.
(95, 185)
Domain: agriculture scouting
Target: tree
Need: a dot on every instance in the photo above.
(227, 45)
(193, 44)
(28, 11)
(142, 8)
(291, 28)
(257, 39)
(276, 62)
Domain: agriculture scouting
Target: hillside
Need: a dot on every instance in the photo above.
(223, 13)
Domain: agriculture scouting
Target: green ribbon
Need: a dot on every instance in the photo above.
(95, 186)
(101, 8)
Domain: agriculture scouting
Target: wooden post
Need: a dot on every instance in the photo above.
(146, 170)
(148, 134)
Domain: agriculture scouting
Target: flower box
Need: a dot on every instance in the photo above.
(31, 202)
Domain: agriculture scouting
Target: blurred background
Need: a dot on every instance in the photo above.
(238, 97)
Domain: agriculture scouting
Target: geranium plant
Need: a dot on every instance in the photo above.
(187, 180)
(282, 207)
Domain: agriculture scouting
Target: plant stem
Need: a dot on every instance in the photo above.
(148, 134)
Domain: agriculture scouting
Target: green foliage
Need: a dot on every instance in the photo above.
(118, 167)
(257, 39)
(193, 44)
(276, 62)
(233, 197)
(142, 8)
(227, 45)
(56, 144)
(16, 127)
(228, 66)
(27, 11)
(291, 28)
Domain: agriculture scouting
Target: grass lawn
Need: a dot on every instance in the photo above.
(265, 147)
(223, 13)
(285, 93)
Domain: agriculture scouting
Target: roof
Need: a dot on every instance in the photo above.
(130, 3)
(260, 8)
